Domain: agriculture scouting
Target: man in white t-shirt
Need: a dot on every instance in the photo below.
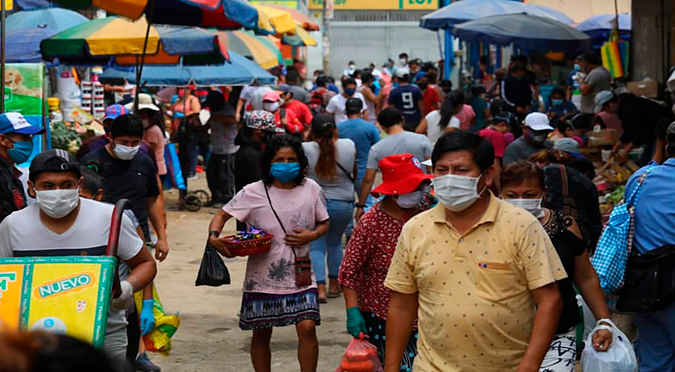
(336, 106)
(63, 224)
(251, 97)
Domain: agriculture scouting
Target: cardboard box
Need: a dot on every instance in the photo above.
(648, 88)
(605, 137)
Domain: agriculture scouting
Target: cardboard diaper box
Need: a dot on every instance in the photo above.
(647, 88)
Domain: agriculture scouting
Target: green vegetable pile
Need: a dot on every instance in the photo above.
(617, 195)
(65, 138)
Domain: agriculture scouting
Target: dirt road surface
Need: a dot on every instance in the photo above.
(209, 338)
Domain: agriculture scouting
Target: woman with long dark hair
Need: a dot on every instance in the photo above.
(439, 122)
(332, 164)
(277, 290)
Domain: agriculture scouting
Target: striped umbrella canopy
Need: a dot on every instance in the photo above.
(300, 38)
(305, 21)
(259, 48)
(222, 14)
(103, 38)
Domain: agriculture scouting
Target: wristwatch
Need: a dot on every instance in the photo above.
(214, 233)
(362, 206)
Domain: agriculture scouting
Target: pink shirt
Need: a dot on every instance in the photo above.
(465, 117)
(611, 121)
(155, 137)
(299, 208)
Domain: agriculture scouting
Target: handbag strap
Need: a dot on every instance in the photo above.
(344, 170)
(564, 181)
(631, 210)
(276, 215)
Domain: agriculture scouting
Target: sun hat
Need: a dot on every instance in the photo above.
(271, 97)
(568, 145)
(145, 102)
(401, 174)
(538, 121)
(14, 122)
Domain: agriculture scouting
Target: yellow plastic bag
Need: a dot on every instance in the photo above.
(159, 339)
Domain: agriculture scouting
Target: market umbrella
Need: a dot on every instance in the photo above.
(600, 26)
(304, 20)
(237, 71)
(281, 20)
(300, 38)
(469, 10)
(523, 31)
(259, 48)
(100, 39)
(223, 14)
(26, 29)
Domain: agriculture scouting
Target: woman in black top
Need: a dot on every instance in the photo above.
(522, 184)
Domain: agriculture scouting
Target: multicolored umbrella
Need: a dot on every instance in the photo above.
(115, 36)
(300, 38)
(304, 20)
(222, 14)
(261, 49)
(281, 19)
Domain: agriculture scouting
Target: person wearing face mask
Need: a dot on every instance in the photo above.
(596, 80)
(153, 129)
(292, 208)
(574, 78)
(372, 246)
(131, 175)
(535, 134)
(523, 186)
(16, 146)
(336, 106)
(63, 224)
(517, 91)
(474, 268)
(558, 109)
(349, 71)
(406, 98)
(431, 100)
(606, 107)
(373, 95)
(403, 60)
(284, 118)
(299, 108)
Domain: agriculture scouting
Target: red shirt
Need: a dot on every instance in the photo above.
(294, 125)
(497, 140)
(368, 257)
(431, 99)
(301, 112)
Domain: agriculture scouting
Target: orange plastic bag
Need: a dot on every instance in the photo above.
(360, 356)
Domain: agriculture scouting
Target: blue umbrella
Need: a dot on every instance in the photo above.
(238, 71)
(469, 10)
(26, 29)
(600, 26)
(523, 31)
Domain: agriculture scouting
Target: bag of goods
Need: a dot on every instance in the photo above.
(360, 356)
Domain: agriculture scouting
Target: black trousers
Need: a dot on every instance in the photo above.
(220, 177)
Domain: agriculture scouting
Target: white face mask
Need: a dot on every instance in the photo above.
(403, 61)
(352, 67)
(271, 106)
(456, 193)
(125, 152)
(410, 200)
(57, 203)
(531, 205)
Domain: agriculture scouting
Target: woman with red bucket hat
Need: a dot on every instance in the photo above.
(371, 248)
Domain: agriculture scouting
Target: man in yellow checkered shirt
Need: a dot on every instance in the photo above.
(479, 273)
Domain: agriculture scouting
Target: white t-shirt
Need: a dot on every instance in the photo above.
(434, 131)
(336, 106)
(22, 234)
(253, 95)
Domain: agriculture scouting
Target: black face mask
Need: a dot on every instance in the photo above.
(423, 86)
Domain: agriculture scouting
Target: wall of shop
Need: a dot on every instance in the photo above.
(653, 46)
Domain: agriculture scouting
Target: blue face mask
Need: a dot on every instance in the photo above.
(577, 67)
(350, 92)
(557, 102)
(285, 172)
(21, 151)
(395, 84)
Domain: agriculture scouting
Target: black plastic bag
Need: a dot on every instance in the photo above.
(212, 271)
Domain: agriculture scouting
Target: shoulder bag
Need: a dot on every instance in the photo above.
(302, 264)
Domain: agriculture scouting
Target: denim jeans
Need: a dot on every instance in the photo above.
(655, 346)
(330, 245)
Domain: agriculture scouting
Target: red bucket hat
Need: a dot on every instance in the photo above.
(401, 174)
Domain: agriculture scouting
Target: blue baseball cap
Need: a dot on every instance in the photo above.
(114, 111)
(13, 122)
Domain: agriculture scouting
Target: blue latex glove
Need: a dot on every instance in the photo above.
(376, 84)
(355, 322)
(147, 317)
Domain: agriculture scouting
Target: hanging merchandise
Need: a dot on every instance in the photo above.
(615, 55)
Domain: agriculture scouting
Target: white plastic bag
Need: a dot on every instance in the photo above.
(619, 358)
